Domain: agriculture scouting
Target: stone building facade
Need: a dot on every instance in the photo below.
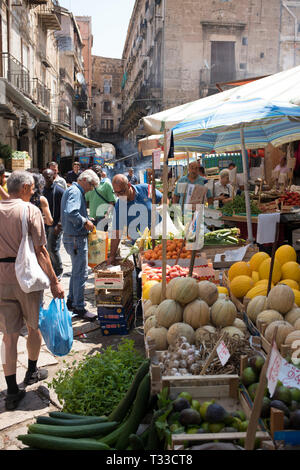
(85, 27)
(107, 76)
(178, 51)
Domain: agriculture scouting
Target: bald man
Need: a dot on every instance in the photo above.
(132, 211)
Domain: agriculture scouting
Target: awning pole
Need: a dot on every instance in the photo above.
(164, 217)
(246, 188)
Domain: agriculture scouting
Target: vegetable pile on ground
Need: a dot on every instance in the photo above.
(95, 385)
(238, 206)
(285, 399)
(181, 414)
(116, 430)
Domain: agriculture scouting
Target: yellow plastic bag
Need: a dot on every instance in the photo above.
(97, 248)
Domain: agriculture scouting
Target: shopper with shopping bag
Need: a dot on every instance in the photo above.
(22, 228)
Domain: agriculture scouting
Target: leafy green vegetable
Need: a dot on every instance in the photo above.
(238, 206)
(96, 384)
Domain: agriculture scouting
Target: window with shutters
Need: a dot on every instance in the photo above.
(222, 61)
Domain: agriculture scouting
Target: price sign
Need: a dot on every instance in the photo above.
(156, 159)
(223, 353)
(289, 375)
(273, 369)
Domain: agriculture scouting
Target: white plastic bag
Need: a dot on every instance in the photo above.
(30, 275)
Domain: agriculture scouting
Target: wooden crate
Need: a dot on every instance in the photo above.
(211, 251)
(225, 390)
(19, 165)
(106, 278)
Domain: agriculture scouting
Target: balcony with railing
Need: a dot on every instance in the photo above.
(41, 94)
(15, 73)
(49, 16)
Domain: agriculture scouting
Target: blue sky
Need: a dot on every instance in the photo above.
(110, 20)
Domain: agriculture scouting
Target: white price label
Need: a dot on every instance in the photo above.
(273, 369)
(223, 353)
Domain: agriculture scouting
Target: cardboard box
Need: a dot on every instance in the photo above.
(113, 297)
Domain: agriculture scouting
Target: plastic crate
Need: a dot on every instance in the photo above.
(114, 314)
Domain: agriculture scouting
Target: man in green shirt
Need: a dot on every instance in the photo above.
(100, 201)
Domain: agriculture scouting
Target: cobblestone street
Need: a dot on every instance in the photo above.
(40, 399)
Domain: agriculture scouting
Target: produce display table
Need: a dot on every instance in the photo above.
(240, 221)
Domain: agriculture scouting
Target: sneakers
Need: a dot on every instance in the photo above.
(34, 377)
(70, 306)
(86, 315)
(12, 400)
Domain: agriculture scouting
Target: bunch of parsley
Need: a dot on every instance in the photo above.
(96, 384)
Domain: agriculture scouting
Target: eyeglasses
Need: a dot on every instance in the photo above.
(120, 193)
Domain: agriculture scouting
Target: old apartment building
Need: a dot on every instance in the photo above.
(178, 51)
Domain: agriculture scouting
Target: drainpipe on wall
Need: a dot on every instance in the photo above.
(295, 28)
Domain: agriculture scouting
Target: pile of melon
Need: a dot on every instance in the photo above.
(250, 280)
(192, 310)
(278, 309)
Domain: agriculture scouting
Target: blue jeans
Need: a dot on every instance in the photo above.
(53, 247)
(77, 248)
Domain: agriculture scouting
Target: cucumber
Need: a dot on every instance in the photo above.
(138, 412)
(86, 430)
(112, 438)
(40, 441)
(69, 422)
(62, 415)
(121, 410)
(136, 442)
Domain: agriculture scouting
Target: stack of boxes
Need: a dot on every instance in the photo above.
(114, 298)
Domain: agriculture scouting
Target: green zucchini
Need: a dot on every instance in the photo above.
(121, 410)
(69, 422)
(139, 409)
(40, 441)
(86, 430)
(63, 415)
(112, 438)
(136, 442)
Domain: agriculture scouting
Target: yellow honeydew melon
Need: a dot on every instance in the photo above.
(240, 285)
(285, 253)
(291, 270)
(283, 330)
(196, 314)
(264, 270)
(297, 297)
(281, 298)
(257, 259)
(208, 292)
(159, 336)
(234, 332)
(241, 268)
(168, 313)
(291, 283)
(268, 316)
(180, 330)
(146, 289)
(293, 315)
(256, 291)
(256, 306)
(255, 276)
(223, 290)
(264, 282)
(223, 313)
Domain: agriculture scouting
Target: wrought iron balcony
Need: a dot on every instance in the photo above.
(41, 94)
(15, 72)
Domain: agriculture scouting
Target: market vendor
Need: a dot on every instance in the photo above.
(186, 185)
(132, 213)
(282, 167)
(223, 190)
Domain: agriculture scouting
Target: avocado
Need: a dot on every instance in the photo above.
(239, 414)
(193, 430)
(249, 376)
(181, 404)
(196, 405)
(175, 427)
(294, 405)
(295, 419)
(215, 413)
(173, 418)
(279, 405)
(283, 393)
(252, 389)
(187, 396)
(236, 423)
(256, 363)
(244, 426)
(295, 392)
(216, 427)
(204, 407)
(189, 416)
(265, 410)
(204, 426)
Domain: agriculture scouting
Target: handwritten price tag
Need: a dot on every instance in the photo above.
(223, 353)
(289, 375)
(273, 369)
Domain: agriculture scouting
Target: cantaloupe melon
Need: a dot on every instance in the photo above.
(208, 292)
(256, 306)
(223, 313)
(268, 316)
(283, 330)
(281, 298)
(293, 315)
(168, 313)
(233, 332)
(196, 314)
(159, 336)
(180, 330)
(185, 290)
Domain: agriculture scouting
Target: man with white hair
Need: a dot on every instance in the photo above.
(76, 226)
(17, 307)
(223, 190)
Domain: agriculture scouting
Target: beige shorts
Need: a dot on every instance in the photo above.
(17, 308)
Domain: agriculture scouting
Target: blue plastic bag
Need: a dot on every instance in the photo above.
(55, 324)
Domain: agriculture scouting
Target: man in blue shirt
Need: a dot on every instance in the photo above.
(186, 185)
(132, 211)
(76, 226)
